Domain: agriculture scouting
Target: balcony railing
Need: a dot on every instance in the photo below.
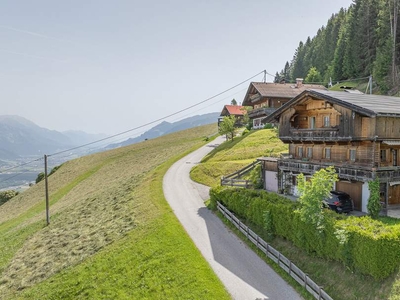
(261, 111)
(318, 134)
(361, 172)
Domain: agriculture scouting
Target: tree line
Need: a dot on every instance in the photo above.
(356, 42)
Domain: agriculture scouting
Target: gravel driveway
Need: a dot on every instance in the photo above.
(244, 274)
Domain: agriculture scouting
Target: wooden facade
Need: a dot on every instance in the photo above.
(265, 98)
(357, 134)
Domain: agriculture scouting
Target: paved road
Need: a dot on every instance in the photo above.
(243, 273)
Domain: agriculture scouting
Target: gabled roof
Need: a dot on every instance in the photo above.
(364, 104)
(277, 90)
(236, 110)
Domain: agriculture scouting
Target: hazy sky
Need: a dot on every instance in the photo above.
(108, 66)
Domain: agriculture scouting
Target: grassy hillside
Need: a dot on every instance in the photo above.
(112, 235)
(232, 156)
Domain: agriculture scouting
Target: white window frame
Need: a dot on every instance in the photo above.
(327, 150)
(327, 121)
(351, 156)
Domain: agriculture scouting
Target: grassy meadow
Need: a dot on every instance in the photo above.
(338, 280)
(112, 235)
(234, 155)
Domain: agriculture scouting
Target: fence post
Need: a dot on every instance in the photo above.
(305, 281)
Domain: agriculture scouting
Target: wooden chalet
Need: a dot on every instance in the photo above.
(233, 110)
(265, 97)
(358, 134)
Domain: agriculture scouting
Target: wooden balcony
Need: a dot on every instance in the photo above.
(345, 170)
(260, 112)
(318, 134)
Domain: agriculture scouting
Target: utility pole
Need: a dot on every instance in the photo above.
(370, 84)
(47, 190)
(265, 76)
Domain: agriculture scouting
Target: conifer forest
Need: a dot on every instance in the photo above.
(356, 42)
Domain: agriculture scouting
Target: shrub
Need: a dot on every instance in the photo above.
(256, 178)
(268, 126)
(40, 177)
(7, 195)
(374, 203)
(362, 243)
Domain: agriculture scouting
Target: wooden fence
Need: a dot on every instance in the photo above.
(234, 178)
(290, 268)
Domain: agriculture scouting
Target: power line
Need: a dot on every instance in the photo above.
(160, 119)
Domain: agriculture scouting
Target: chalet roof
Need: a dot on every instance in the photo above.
(236, 110)
(377, 104)
(365, 104)
(277, 90)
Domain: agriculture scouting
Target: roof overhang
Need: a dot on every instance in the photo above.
(316, 95)
(391, 142)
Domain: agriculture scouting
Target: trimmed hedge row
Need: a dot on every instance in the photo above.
(359, 242)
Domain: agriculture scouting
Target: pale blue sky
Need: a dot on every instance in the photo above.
(108, 66)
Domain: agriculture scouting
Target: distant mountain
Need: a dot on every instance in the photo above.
(81, 137)
(21, 137)
(166, 128)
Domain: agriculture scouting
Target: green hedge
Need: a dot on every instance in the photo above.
(359, 242)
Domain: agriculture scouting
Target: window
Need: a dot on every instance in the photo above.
(383, 155)
(327, 153)
(327, 121)
(300, 151)
(309, 152)
(312, 122)
(352, 154)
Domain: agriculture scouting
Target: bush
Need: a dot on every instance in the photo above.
(7, 195)
(268, 126)
(374, 203)
(245, 131)
(365, 244)
(40, 177)
(54, 169)
(256, 178)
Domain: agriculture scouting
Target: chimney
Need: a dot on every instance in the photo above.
(299, 82)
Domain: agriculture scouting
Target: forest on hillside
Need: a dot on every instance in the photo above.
(356, 42)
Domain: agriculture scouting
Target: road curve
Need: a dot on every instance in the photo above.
(244, 274)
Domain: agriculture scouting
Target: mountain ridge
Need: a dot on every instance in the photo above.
(166, 127)
(21, 137)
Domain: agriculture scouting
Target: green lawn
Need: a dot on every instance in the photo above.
(112, 234)
(232, 156)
